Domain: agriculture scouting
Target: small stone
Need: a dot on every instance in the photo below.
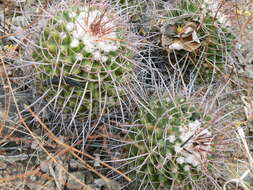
(3, 165)
(44, 166)
(99, 182)
(97, 163)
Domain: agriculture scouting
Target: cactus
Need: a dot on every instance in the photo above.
(171, 145)
(201, 42)
(84, 59)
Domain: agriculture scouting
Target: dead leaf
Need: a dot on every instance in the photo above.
(195, 37)
(186, 44)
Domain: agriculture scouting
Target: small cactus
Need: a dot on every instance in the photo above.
(83, 59)
(201, 43)
(170, 146)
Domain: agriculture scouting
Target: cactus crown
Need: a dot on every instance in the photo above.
(84, 59)
(171, 145)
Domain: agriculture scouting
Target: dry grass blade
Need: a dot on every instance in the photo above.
(74, 149)
(240, 181)
(35, 136)
(72, 72)
(19, 176)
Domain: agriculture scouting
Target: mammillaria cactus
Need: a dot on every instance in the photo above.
(83, 58)
(171, 146)
(197, 40)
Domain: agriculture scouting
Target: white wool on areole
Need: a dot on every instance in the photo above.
(188, 134)
(101, 44)
(97, 55)
(104, 58)
(186, 168)
(172, 138)
(74, 43)
(177, 148)
(180, 160)
(70, 26)
(72, 14)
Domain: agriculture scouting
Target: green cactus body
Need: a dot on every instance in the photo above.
(166, 149)
(207, 47)
(81, 54)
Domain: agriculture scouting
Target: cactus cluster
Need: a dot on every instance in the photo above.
(83, 59)
(193, 29)
(171, 145)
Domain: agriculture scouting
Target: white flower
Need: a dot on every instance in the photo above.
(186, 168)
(172, 138)
(95, 44)
(74, 43)
(70, 26)
(180, 160)
(177, 148)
